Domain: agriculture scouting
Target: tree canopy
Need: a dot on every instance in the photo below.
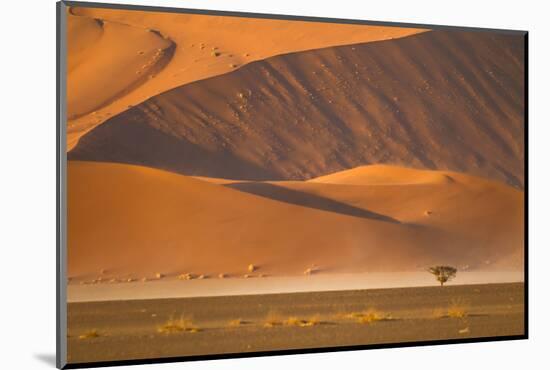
(443, 273)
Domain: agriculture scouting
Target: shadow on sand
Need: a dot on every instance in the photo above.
(283, 194)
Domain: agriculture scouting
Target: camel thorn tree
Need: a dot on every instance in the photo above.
(443, 273)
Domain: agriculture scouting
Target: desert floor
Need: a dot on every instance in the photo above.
(140, 329)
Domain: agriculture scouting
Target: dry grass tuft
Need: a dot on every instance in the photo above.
(94, 333)
(236, 322)
(182, 324)
(294, 321)
(457, 310)
(187, 276)
(272, 319)
(369, 316)
(275, 319)
(315, 320)
(353, 315)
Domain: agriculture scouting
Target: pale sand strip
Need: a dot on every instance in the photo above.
(173, 288)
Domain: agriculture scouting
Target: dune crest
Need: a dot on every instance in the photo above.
(303, 115)
(208, 46)
(385, 175)
(107, 60)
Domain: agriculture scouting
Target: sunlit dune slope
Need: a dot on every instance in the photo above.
(204, 46)
(464, 205)
(135, 221)
(444, 100)
(385, 175)
(107, 60)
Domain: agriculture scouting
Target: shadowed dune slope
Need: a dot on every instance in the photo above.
(137, 221)
(445, 100)
(203, 46)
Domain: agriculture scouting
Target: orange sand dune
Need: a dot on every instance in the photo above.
(106, 60)
(205, 46)
(446, 100)
(134, 221)
(435, 199)
(385, 175)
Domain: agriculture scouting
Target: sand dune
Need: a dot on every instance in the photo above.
(386, 175)
(436, 199)
(444, 100)
(107, 60)
(135, 221)
(205, 46)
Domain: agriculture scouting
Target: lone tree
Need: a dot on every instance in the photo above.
(443, 273)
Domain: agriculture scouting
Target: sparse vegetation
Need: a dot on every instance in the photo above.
(183, 324)
(369, 316)
(457, 309)
(236, 322)
(94, 333)
(272, 319)
(187, 276)
(294, 321)
(443, 273)
(315, 320)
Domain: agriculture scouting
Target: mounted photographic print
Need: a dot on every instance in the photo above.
(235, 184)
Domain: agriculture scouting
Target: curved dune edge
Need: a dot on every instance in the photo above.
(212, 45)
(437, 100)
(132, 222)
(386, 175)
(107, 60)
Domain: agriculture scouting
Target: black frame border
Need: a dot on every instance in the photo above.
(61, 308)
